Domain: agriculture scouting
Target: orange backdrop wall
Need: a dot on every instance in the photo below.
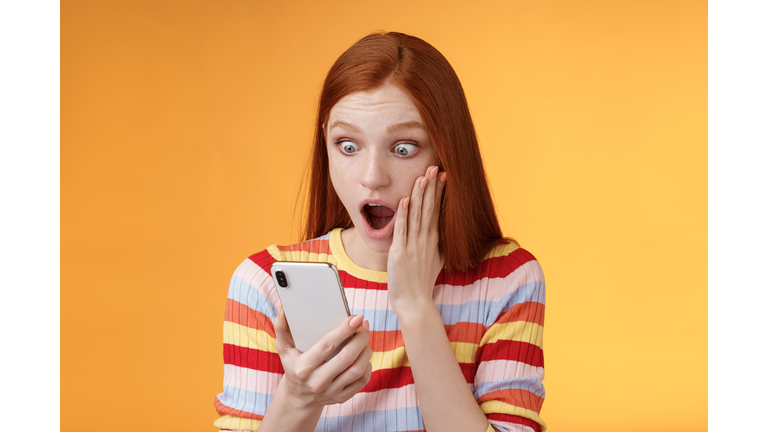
(184, 132)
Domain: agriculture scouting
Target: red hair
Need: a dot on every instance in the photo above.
(468, 224)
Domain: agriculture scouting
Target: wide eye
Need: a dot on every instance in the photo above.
(405, 149)
(348, 147)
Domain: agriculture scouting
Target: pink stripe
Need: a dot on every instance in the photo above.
(250, 379)
(382, 400)
(367, 299)
(525, 274)
(497, 370)
(256, 277)
(361, 298)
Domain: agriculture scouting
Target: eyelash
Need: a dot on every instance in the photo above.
(339, 142)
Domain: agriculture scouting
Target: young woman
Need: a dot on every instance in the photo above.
(447, 312)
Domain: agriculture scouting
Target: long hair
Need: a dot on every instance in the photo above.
(468, 226)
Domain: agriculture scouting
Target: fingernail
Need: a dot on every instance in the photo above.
(433, 173)
(423, 183)
(367, 325)
(443, 176)
(407, 201)
(355, 321)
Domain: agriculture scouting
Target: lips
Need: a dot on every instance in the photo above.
(379, 220)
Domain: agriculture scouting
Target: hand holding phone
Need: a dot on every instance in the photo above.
(312, 382)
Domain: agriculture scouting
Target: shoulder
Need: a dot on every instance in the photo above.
(310, 250)
(507, 272)
(252, 282)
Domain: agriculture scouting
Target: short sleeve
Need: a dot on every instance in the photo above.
(508, 383)
(252, 367)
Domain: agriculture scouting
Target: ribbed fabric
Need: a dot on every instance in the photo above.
(493, 316)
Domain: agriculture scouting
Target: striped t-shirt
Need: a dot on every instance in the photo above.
(493, 315)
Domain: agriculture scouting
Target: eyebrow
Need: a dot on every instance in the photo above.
(391, 128)
(407, 125)
(345, 125)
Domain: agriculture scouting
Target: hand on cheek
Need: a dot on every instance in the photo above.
(414, 260)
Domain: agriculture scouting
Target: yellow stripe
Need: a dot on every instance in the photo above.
(302, 256)
(237, 423)
(521, 331)
(490, 428)
(501, 250)
(346, 264)
(499, 407)
(465, 353)
(243, 336)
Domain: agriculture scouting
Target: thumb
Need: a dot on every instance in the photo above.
(283, 338)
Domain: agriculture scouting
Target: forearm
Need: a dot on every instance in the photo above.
(446, 402)
(284, 415)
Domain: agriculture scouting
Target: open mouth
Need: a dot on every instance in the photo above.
(378, 216)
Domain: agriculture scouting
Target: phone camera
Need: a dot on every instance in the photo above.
(281, 279)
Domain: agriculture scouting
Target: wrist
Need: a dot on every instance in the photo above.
(411, 313)
(299, 407)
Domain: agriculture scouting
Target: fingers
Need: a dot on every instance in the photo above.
(357, 375)
(428, 208)
(283, 338)
(439, 187)
(414, 207)
(347, 356)
(401, 224)
(316, 355)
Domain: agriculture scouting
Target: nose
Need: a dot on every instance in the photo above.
(375, 173)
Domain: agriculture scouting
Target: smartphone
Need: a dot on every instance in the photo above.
(313, 300)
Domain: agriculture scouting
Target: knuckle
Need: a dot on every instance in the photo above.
(326, 345)
(301, 373)
(357, 371)
(316, 387)
(345, 357)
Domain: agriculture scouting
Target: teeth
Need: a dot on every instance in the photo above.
(374, 205)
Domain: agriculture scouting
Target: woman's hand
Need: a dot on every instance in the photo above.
(414, 260)
(310, 381)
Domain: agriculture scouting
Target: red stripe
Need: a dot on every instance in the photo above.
(311, 246)
(507, 418)
(263, 259)
(532, 312)
(512, 350)
(389, 378)
(400, 377)
(469, 370)
(239, 313)
(349, 281)
(252, 359)
(226, 410)
(497, 267)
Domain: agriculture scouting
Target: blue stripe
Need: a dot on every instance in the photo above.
(392, 420)
(248, 401)
(532, 384)
(476, 311)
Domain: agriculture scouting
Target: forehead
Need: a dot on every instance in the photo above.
(389, 102)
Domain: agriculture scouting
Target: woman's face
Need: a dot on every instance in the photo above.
(377, 147)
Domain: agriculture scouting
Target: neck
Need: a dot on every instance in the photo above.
(360, 253)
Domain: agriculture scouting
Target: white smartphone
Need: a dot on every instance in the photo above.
(313, 300)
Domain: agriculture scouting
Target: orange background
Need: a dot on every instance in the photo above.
(185, 129)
